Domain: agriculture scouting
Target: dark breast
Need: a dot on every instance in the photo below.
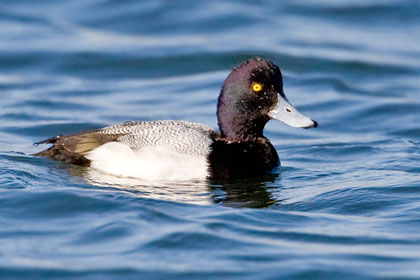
(241, 159)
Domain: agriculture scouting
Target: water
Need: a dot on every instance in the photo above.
(345, 204)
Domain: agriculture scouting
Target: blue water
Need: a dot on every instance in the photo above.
(344, 205)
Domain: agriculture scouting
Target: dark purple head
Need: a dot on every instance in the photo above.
(251, 95)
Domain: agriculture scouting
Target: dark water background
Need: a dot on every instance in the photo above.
(344, 205)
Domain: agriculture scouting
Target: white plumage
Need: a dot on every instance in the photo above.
(159, 150)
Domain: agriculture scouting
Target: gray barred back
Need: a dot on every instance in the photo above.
(177, 136)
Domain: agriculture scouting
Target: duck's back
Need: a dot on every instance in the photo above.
(177, 136)
(149, 150)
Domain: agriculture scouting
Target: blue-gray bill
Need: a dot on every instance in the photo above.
(285, 112)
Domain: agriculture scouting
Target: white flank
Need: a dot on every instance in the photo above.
(148, 163)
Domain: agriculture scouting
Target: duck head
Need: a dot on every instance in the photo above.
(251, 95)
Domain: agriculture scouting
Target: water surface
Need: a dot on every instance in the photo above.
(345, 204)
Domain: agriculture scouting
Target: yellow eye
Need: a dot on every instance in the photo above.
(256, 87)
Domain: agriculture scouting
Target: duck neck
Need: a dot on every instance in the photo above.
(236, 125)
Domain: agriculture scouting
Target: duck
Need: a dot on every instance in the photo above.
(251, 95)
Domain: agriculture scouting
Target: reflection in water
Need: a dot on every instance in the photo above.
(253, 192)
(194, 191)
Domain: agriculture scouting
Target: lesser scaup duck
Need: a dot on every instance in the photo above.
(251, 95)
